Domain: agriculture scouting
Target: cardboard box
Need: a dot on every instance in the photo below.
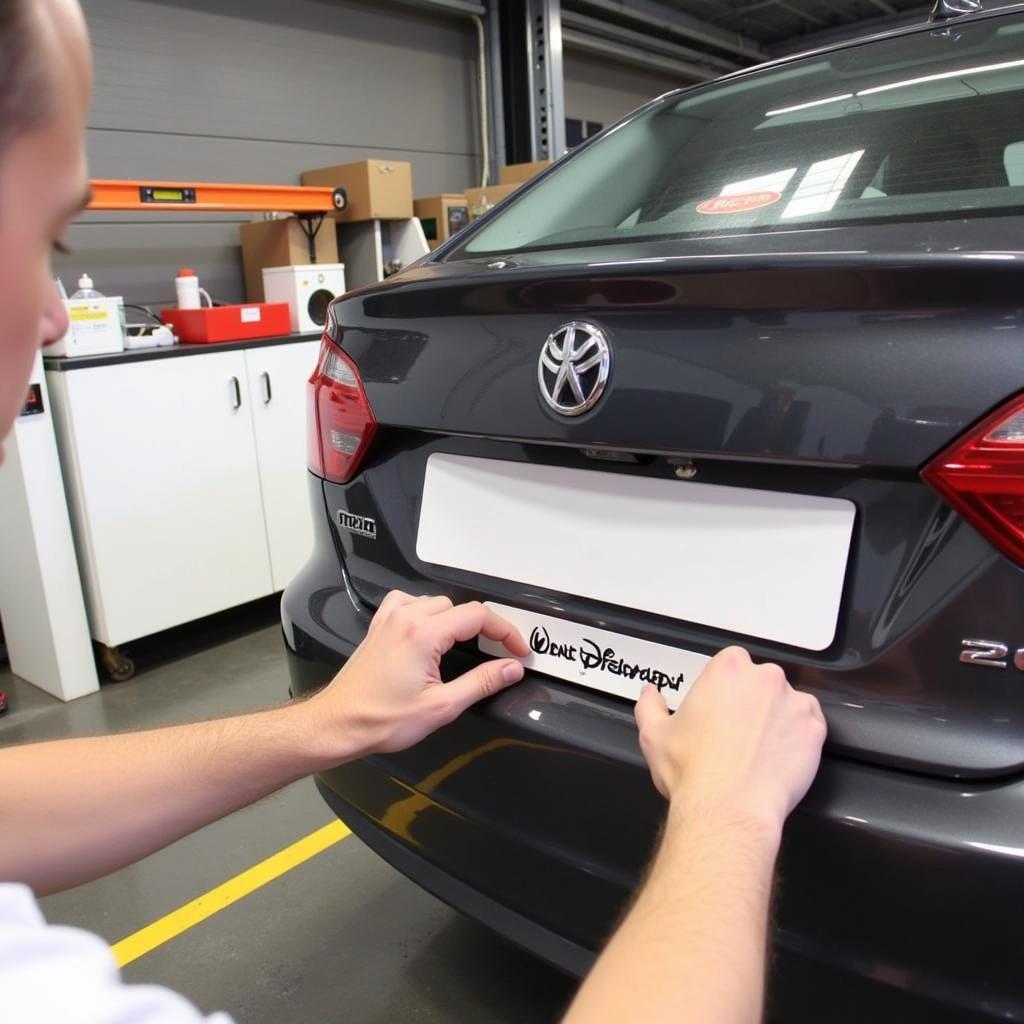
(377, 189)
(281, 243)
(480, 200)
(522, 172)
(442, 216)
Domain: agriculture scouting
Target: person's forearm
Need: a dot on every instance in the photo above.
(73, 810)
(693, 946)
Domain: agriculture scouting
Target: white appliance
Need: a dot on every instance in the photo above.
(308, 289)
(95, 326)
(41, 601)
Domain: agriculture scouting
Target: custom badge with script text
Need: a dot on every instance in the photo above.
(598, 658)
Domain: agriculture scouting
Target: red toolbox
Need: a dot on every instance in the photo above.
(229, 323)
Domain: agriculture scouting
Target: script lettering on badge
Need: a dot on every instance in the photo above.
(541, 643)
(591, 655)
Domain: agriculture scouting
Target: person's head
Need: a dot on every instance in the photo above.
(45, 86)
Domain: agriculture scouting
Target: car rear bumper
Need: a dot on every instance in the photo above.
(898, 897)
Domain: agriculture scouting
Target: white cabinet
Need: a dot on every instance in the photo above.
(185, 479)
(277, 389)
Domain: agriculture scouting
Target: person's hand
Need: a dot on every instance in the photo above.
(743, 742)
(390, 693)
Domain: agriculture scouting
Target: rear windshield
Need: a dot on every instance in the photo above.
(913, 127)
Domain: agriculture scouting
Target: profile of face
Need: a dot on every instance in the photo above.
(43, 185)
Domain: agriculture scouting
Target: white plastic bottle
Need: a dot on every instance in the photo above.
(186, 284)
(86, 290)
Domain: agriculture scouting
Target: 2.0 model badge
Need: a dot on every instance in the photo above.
(574, 367)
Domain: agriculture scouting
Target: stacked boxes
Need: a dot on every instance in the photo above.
(280, 243)
(378, 234)
(442, 216)
(518, 173)
(480, 200)
(377, 189)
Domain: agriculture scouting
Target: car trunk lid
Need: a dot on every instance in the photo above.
(807, 387)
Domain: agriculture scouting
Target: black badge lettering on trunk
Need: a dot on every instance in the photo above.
(363, 525)
(541, 643)
(590, 654)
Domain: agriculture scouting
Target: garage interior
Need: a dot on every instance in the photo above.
(264, 94)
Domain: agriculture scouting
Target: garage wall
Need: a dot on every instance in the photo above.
(597, 89)
(258, 91)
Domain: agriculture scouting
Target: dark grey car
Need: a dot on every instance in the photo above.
(745, 368)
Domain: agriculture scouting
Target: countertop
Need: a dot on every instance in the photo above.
(139, 355)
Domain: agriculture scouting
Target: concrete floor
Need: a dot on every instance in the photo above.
(343, 937)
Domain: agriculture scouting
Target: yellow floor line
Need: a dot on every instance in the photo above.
(214, 901)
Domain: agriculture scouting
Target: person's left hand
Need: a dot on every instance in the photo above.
(390, 694)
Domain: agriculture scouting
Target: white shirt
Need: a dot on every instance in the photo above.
(51, 974)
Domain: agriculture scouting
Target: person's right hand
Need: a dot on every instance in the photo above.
(390, 694)
(742, 743)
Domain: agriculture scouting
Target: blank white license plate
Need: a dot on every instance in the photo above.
(764, 564)
(598, 658)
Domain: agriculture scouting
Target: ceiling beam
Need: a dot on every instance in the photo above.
(609, 30)
(796, 12)
(756, 5)
(636, 56)
(664, 19)
(840, 33)
(468, 7)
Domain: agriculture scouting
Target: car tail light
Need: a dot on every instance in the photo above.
(982, 476)
(340, 422)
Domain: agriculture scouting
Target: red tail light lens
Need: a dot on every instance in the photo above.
(340, 422)
(982, 476)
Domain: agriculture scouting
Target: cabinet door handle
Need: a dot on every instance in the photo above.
(267, 393)
(237, 389)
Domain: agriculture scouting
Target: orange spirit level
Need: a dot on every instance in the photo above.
(309, 203)
(172, 195)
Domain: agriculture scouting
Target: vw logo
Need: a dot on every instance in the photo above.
(574, 367)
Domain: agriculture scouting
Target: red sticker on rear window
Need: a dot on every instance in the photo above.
(739, 203)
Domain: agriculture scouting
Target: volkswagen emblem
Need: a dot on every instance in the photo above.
(574, 367)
